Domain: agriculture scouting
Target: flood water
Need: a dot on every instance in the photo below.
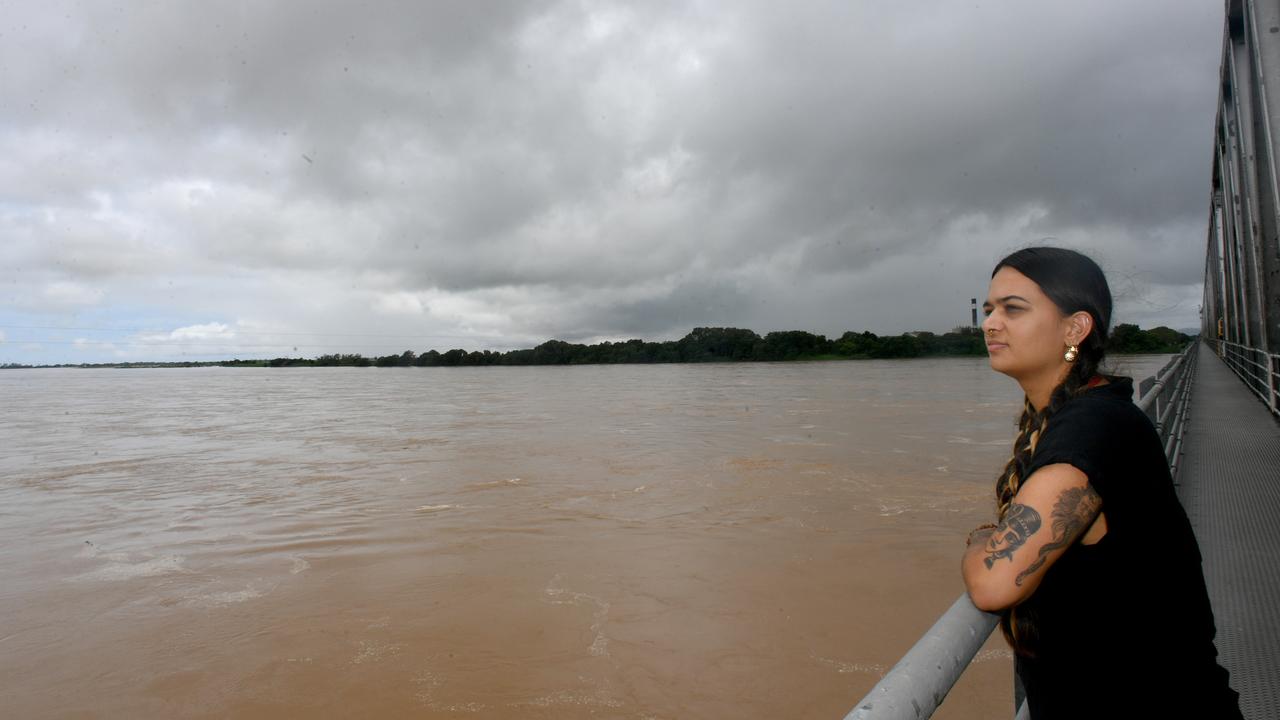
(633, 541)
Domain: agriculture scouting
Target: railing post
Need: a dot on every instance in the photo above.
(1272, 381)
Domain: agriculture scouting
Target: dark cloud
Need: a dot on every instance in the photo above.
(516, 170)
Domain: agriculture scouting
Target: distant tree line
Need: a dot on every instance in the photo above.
(1130, 339)
(704, 344)
(140, 364)
(709, 344)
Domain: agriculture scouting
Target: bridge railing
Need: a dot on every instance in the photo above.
(915, 687)
(1259, 369)
(1164, 397)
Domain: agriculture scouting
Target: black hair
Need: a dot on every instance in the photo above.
(1074, 283)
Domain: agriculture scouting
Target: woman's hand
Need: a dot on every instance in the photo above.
(1052, 509)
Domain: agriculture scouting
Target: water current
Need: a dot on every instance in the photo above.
(639, 541)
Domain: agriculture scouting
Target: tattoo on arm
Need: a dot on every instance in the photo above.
(1071, 515)
(1020, 522)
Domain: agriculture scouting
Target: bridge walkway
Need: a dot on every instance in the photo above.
(1229, 483)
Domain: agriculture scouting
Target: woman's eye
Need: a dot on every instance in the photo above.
(1010, 308)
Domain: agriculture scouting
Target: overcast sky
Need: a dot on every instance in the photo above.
(214, 179)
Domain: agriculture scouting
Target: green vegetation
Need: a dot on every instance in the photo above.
(701, 345)
(1130, 339)
(738, 345)
(705, 345)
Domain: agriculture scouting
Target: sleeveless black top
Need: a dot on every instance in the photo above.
(1124, 626)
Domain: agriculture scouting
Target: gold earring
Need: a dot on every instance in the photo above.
(1071, 354)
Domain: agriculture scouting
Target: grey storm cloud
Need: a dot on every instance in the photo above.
(509, 172)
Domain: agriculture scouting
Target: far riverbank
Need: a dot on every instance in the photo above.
(699, 346)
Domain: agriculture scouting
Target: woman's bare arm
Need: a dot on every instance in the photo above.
(1053, 508)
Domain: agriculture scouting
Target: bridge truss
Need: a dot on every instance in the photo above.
(1241, 311)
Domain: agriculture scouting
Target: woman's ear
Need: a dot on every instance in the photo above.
(1078, 326)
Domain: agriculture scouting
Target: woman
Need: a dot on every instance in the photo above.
(1093, 564)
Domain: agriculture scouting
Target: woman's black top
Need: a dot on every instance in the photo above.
(1124, 626)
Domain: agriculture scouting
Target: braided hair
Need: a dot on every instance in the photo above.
(1074, 283)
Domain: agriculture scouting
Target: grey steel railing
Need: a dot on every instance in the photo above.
(1164, 397)
(1259, 369)
(915, 687)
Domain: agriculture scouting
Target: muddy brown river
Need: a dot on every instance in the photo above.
(644, 541)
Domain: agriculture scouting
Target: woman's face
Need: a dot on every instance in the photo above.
(1025, 332)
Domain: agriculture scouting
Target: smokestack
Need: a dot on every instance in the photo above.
(973, 302)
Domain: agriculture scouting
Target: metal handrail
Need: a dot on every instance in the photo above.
(1259, 369)
(1147, 398)
(1173, 446)
(915, 687)
(1166, 402)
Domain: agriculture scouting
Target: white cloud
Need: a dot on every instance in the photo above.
(207, 331)
(87, 345)
(399, 303)
(67, 294)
